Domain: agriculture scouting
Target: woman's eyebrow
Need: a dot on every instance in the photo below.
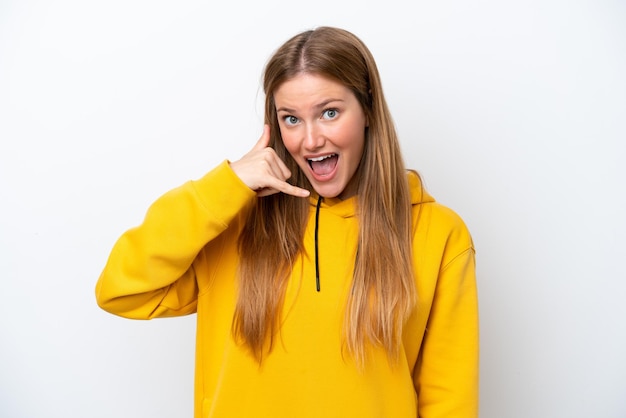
(317, 106)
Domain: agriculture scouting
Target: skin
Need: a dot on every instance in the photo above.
(264, 172)
(317, 117)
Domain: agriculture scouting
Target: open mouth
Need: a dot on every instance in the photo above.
(323, 165)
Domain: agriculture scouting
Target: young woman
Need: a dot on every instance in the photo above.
(326, 281)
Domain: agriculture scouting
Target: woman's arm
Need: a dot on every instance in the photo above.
(150, 270)
(447, 377)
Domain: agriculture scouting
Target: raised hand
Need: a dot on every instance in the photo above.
(264, 172)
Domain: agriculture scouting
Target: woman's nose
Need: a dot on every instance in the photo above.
(314, 138)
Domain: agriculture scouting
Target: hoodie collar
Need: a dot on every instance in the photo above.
(343, 208)
(347, 208)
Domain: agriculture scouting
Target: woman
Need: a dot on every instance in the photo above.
(326, 281)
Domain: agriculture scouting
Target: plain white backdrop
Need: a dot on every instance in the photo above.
(514, 112)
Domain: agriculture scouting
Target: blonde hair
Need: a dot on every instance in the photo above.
(383, 289)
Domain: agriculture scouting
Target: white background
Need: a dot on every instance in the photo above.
(514, 112)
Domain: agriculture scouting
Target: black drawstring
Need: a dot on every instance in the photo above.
(317, 263)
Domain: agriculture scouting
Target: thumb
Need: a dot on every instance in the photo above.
(264, 141)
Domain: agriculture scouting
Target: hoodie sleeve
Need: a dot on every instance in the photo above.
(150, 271)
(447, 376)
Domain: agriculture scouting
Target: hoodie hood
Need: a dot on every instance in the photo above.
(418, 191)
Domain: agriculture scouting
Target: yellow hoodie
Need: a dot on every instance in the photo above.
(183, 259)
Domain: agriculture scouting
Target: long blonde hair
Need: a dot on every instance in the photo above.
(383, 289)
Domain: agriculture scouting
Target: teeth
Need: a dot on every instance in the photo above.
(320, 158)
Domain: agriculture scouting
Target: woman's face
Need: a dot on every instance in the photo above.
(323, 127)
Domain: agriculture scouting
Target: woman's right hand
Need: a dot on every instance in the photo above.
(264, 172)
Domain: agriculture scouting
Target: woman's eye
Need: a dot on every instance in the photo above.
(290, 120)
(330, 114)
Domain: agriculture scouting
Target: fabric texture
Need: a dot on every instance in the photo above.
(183, 259)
